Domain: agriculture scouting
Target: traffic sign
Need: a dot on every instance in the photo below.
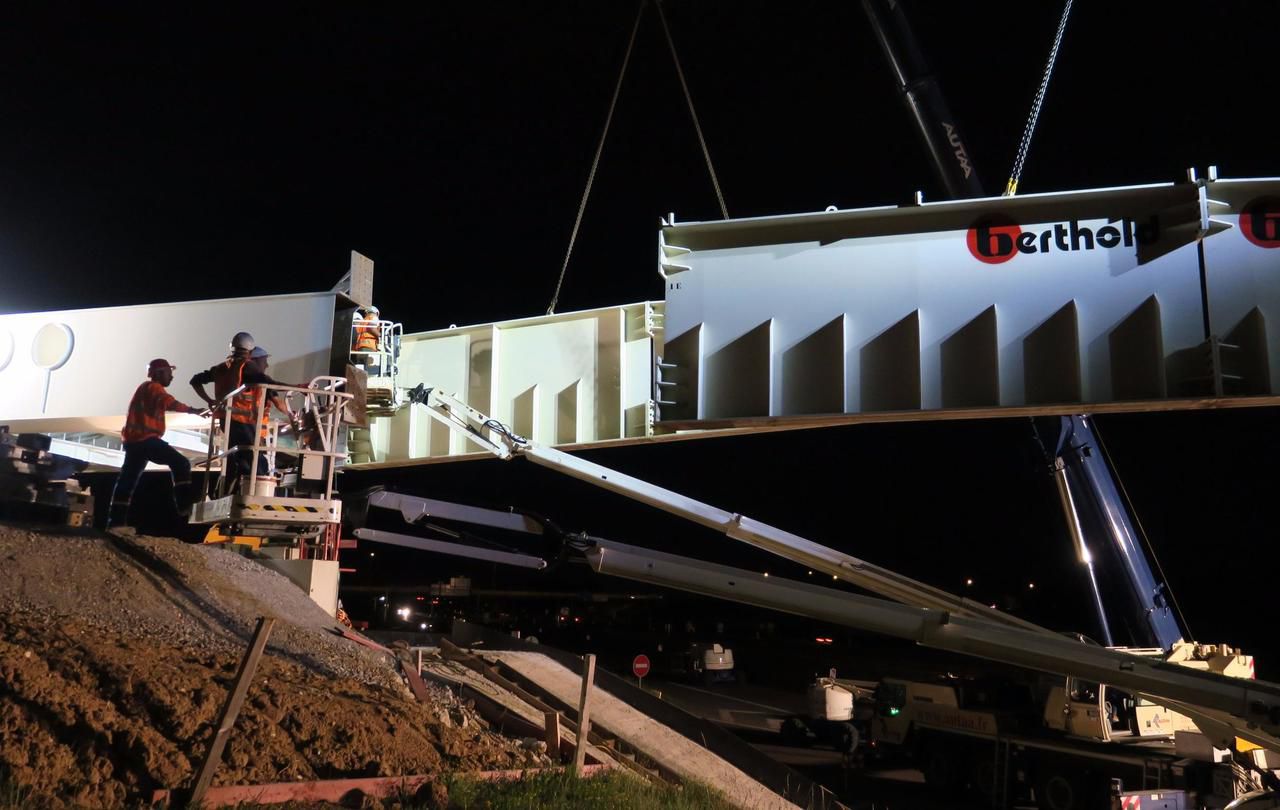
(640, 666)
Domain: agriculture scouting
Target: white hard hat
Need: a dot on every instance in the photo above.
(242, 342)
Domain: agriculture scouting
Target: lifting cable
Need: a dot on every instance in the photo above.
(706, 154)
(586, 192)
(1011, 187)
(1146, 541)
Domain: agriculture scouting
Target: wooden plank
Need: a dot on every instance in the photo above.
(501, 716)
(363, 642)
(416, 685)
(553, 734)
(474, 663)
(453, 652)
(584, 711)
(231, 709)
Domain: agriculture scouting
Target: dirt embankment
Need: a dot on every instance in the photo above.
(116, 656)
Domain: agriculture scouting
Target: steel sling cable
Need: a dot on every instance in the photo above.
(706, 154)
(595, 162)
(1011, 187)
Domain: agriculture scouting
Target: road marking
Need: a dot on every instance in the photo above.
(731, 697)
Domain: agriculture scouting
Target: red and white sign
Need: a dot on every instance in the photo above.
(640, 666)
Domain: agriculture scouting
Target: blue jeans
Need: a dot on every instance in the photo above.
(136, 456)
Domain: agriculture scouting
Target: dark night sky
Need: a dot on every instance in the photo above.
(153, 154)
(150, 153)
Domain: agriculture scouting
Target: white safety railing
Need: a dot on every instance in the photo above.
(380, 361)
(314, 439)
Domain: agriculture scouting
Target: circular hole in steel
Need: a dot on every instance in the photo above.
(52, 346)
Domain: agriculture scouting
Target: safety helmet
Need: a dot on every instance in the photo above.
(258, 352)
(371, 310)
(160, 363)
(242, 342)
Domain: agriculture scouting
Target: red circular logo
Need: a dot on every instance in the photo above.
(994, 239)
(640, 666)
(1260, 222)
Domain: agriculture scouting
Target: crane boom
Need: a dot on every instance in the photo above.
(1224, 706)
(497, 439)
(1091, 498)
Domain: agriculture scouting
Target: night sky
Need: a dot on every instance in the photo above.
(150, 153)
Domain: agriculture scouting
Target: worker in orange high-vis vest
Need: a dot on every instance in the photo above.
(143, 429)
(237, 370)
(258, 365)
(226, 376)
(365, 340)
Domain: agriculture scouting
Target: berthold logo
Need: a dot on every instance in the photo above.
(1260, 222)
(997, 238)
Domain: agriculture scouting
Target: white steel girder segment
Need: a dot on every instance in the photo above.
(1088, 298)
(571, 378)
(92, 360)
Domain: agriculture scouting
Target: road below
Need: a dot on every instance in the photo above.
(756, 713)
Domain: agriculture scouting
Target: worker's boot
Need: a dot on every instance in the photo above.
(118, 519)
(182, 498)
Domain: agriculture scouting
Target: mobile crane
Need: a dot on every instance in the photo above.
(1191, 681)
(1101, 705)
(1087, 487)
(1131, 602)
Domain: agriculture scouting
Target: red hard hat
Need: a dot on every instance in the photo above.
(159, 363)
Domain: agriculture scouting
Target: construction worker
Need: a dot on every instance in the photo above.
(257, 365)
(226, 375)
(366, 339)
(143, 429)
(236, 371)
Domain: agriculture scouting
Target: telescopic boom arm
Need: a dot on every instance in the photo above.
(1223, 707)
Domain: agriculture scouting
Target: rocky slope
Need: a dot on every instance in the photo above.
(116, 656)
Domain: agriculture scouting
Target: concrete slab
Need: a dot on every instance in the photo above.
(671, 750)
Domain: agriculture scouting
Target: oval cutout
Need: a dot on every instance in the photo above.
(52, 346)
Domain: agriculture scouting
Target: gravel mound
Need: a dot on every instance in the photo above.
(117, 654)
